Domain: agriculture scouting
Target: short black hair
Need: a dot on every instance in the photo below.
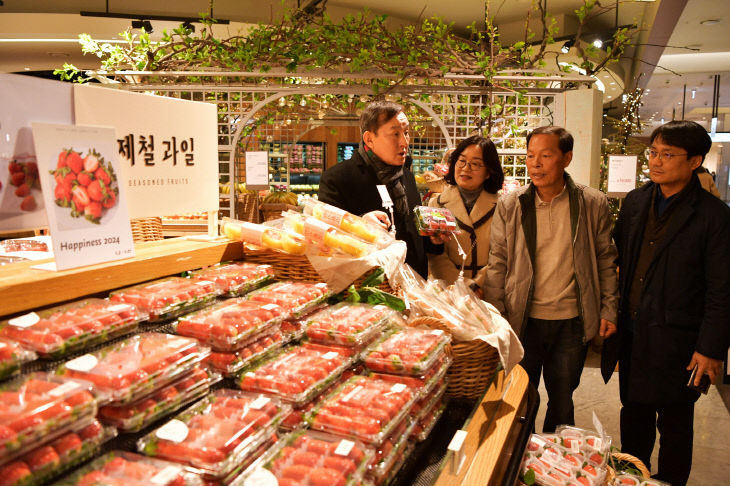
(491, 184)
(685, 134)
(377, 114)
(565, 139)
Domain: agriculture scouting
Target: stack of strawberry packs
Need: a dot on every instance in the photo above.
(572, 456)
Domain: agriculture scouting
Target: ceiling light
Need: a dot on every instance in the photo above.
(694, 92)
(662, 120)
(25, 68)
(598, 43)
(709, 21)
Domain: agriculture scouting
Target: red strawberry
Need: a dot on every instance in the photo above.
(75, 162)
(90, 431)
(14, 473)
(110, 201)
(31, 168)
(91, 163)
(42, 457)
(62, 158)
(28, 204)
(14, 167)
(102, 174)
(22, 190)
(84, 178)
(63, 193)
(93, 210)
(80, 198)
(96, 190)
(67, 444)
(17, 178)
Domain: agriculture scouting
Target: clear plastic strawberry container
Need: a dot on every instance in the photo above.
(428, 421)
(293, 329)
(595, 447)
(215, 435)
(12, 356)
(235, 279)
(135, 367)
(235, 477)
(426, 383)
(228, 364)
(298, 373)
(427, 402)
(231, 324)
(121, 468)
(311, 458)
(297, 298)
(38, 407)
(366, 408)
(406, 351)
(168, 297)
(432, 221)
(388, 453)
(135, 416)
(551, 462)
(53, 459)
(54, 333)
(348, 324)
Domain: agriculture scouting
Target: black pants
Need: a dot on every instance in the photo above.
(556, 350)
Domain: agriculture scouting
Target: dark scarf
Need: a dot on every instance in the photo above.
(390, 177)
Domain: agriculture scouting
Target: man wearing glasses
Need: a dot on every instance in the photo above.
(673, 242)
(551, 269)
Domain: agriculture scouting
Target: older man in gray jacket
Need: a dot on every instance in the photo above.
(551, 269)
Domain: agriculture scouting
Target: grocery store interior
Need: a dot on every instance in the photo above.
(675, 65)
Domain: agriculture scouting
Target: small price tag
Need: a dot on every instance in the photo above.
(384, 196)
(315, 230)
(252, 233)
(83, 363)
(261, 477)
(269, 306)
(574, 446)
(175, 431)
(165, 475)
(64, 389)
(260, 402)
(437, 332)
(206, 283)
(119, 307)
(330, 355)
(250, 374)
(332, 215)
(321, 285)
(352, 393)
(344, 447)
(538, 440)
(398, 388)
(26, 320)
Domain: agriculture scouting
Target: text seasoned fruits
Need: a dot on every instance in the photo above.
(407, 351)
(168, 297)
(299, 373)
(236, 279)
(228, 325)
(347, 324)
(136, 366)
(218, 433)
(55, 332)
(297, 298)
(11, 357)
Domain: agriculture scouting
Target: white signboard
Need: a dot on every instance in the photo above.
(257, 170)
(84, 197)
(25, 99)
(621, 174)
(167, 147)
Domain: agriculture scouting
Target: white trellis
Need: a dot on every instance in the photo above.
(252, 107)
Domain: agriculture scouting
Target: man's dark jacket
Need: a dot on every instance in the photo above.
(351, 185)
(685, 300)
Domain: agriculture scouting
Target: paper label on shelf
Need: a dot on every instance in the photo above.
(398, 388)
(165, 475)
(457, 442)
(344, 447)
(352, 393)
(330, 355)
(83, 363)
(261, 477)
(175, 431)
(269, 306)
(252, 233)
(332, 215)
(24, 321)
(64, 389)
(259, 403)
(315, 230)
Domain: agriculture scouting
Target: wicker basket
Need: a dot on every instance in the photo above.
(247, 207)
(611, 473)
(297, 267)
(474, 363)
(146, 229)
(271, 211)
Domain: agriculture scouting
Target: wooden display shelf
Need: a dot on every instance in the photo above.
(23, 288)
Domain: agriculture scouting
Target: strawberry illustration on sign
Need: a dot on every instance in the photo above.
(86, 184)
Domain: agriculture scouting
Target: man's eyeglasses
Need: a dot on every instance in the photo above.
(472, 165)
(664, 156)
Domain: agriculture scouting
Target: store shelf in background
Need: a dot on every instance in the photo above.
(23, 287)
(345, 151)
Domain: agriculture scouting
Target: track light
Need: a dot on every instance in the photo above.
(566, 46)
(145, 25)
(598, 43)
(694, 93)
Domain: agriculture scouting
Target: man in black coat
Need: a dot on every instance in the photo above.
(673, 240)
(382, 159)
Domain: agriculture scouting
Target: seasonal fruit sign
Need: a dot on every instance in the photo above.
(86, 206)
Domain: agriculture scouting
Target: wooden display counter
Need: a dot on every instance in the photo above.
(23, 287)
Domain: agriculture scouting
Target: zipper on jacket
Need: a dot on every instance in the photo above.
(575, 272)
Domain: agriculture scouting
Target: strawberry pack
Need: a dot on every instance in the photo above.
(552, 464)
(348, 324)
(237, 476)
(626, 479)
(137, 415)
(229, 325)
(54, 333)
(168, 297)
(218, 433)
(228, 364)
(120, 468)
(54, 458)
(365, 408)
(136, 366)
(298, 373)
(40, 407)
(389, 452)
(308, 458)
(297, 298)
(432, 221)
(235, 279)
(12, 355)
(406, 351)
